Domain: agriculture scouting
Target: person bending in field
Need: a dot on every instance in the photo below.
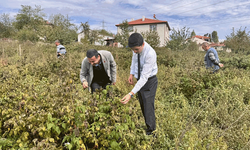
(98, 70)
(211, 59)
(61, 50)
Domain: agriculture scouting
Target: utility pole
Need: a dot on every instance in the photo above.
(103, 26)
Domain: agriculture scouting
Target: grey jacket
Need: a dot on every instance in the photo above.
(86, 73)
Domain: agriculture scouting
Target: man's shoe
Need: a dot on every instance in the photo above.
(148, 132)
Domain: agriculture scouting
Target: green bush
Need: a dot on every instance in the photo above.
(27, 35)
(43, 105)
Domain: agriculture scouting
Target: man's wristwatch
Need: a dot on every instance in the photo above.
(131, 95)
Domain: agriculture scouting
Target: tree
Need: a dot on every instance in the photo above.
(85, 29)
(26, 34)
(29, 23)
(123, 36)
(105, 32)
(29, 18)
(215, 37)
(192, 34)
(6, 28)
(210, 37)
(60, 29)
(152, 38)
(94, 36)
(238, 41)
(178, 39)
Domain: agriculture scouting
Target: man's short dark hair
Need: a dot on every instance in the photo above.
(92, 52)
(135, 39)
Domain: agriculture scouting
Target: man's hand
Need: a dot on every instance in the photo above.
(125, 99)
(85, 84)
(113, 83)
(130, 79)
(221, 65)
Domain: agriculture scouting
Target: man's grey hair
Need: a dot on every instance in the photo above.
(57, 41)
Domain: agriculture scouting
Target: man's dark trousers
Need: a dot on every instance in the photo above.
(147, 100)
(95, 86)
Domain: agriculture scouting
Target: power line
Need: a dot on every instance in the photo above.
(227, 8)
(178, 6)
(225, 22)
(219, 20)
(103, 26)
(203, 6)
(174, 3)
(186, 4)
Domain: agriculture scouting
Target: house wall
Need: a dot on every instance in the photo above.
(162, 31)
(198, 41)
(163, 34)
(80, 36)
(99, 42)
(167, 32)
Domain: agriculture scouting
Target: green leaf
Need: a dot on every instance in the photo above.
(50, 125)
(64, 125)
(57, 129)
(114, 145)
(69, 146)
(50, 117)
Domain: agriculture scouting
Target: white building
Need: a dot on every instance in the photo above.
(146, 24)
(201, 39)
(101, 41)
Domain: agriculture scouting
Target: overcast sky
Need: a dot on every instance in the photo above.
(202, 16)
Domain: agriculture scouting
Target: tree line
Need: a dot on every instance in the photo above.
(30, 24)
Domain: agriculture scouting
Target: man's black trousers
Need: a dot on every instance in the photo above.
(147, 100)
(98, 85)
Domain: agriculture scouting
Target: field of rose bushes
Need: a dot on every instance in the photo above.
(43, 105)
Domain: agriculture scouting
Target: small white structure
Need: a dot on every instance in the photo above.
(80, 36)
(146, 24)
(201, 39)
(103, 39)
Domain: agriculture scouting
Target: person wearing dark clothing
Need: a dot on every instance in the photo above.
(144, 69)
(98, 70)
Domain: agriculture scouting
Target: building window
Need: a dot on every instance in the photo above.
(153, 27)
(130, 28)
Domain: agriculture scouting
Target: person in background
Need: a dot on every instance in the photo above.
(61, 50)
(144, 68)
(211, 59)
(98, 70)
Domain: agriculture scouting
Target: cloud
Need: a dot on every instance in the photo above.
(109, 1)
(135, 2)
(202, 16)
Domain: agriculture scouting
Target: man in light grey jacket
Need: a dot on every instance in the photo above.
(98, 70)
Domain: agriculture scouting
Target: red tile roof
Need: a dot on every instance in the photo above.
(146, 21)
(48, 23)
